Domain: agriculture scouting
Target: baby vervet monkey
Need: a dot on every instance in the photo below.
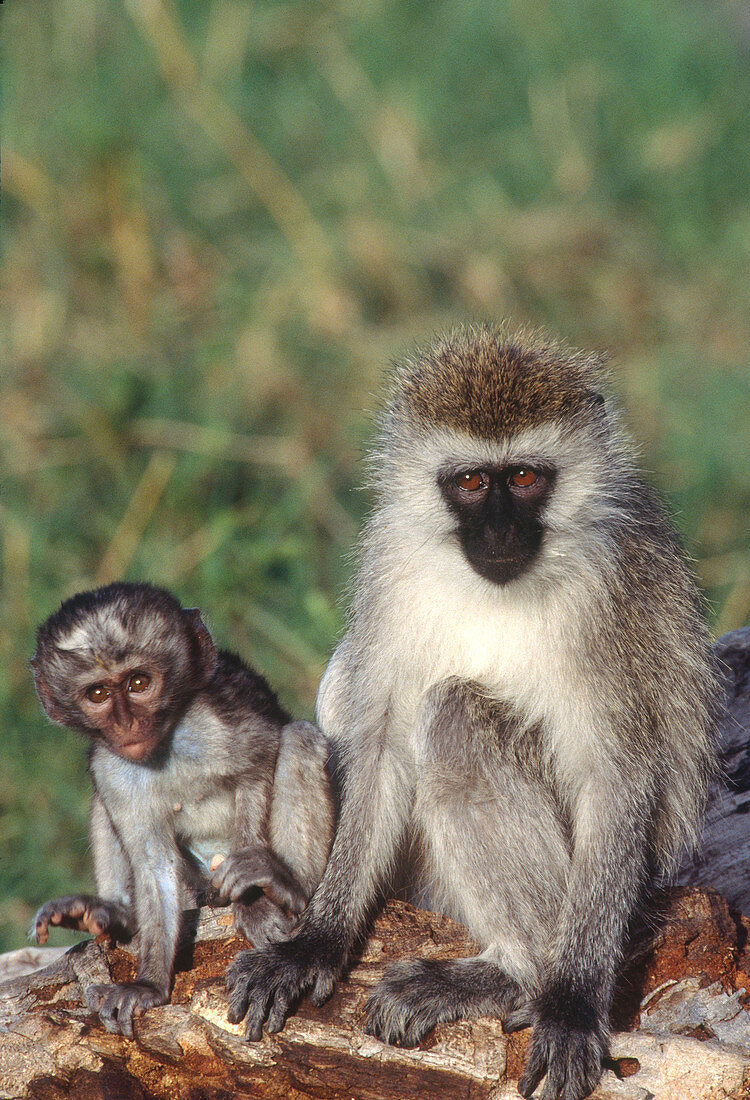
(525, 693)
(201, 783)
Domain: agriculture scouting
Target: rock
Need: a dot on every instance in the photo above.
(724, 857)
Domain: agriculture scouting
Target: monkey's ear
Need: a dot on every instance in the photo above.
(207, 655)
(46, 698)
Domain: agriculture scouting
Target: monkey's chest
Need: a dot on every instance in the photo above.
(203, 822)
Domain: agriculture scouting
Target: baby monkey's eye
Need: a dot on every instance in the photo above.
(472, 481)
(523, 477)
(139, 681)
(97, 693)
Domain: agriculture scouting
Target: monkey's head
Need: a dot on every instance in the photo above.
(122, 663)
(500, 446)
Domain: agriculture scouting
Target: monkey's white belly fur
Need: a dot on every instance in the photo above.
(518, 650)
(200, 811)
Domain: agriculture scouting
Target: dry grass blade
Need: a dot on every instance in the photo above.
(130, 530)
(284, 453)
(224, 127)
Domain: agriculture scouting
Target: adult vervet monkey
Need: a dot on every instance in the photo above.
(525, 692)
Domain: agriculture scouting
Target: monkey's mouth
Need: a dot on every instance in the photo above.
(137, 749)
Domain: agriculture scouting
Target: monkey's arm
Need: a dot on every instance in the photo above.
(148, 846)
(375, 799)
(252, 863)
(109, 910)
(570, 1015)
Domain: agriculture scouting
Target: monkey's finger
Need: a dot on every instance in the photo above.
(257, 1010)
(518, 1020)
(555, 1086)
(95, 995)
(239, 984)
(234, 881)
(536, 1067)
(97, 920)
(279, 1010)
(322, 989)
(285, 894)
(127, 1007)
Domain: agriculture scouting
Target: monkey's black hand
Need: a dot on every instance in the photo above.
(568, 1045)
(262, 921)
(258, 867)
(265, 985)
(118, 1004)
(416, 994)
(83, 913)
(407, 1003)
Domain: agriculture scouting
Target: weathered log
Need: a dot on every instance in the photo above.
(692, 1040)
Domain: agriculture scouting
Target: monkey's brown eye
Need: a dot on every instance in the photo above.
(471, 481)
(139, 681)
(523, 478)
(97, 694)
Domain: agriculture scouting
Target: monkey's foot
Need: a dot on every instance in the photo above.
(83, 913)
(266, 985)
(118, 1004)
(258, 868)
(262, 922)
(568, 1045)
(416, 994)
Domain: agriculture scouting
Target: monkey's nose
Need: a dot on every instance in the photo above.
(123, 720)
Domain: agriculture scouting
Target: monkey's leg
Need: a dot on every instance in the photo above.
(301, 831)
(376, 795)
(279, 846)
(570, 1013)
(495, 859)
(112, 870)
(302, 809)
(156, 895)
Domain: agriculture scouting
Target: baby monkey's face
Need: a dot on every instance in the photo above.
(122, 706)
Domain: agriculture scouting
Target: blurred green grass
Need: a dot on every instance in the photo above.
(220, 220)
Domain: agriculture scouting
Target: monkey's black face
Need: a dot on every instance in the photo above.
(499, 515)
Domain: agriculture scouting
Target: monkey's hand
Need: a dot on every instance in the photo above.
(258, 867)
(83, 913)
(568, 1045)
(118, 1004)
(262, 921)
(265, 985)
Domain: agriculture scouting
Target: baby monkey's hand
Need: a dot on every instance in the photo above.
(83, 913)
(258, 868)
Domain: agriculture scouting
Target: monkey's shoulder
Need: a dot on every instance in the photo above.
(237, 692)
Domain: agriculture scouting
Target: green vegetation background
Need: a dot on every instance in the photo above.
(222, 218)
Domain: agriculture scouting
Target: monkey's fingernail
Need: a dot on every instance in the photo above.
(217, 861)
(177, 807)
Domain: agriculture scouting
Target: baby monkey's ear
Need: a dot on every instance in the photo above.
(204, 648)
(46, 697)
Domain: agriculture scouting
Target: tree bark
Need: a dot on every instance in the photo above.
(681, 1029)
